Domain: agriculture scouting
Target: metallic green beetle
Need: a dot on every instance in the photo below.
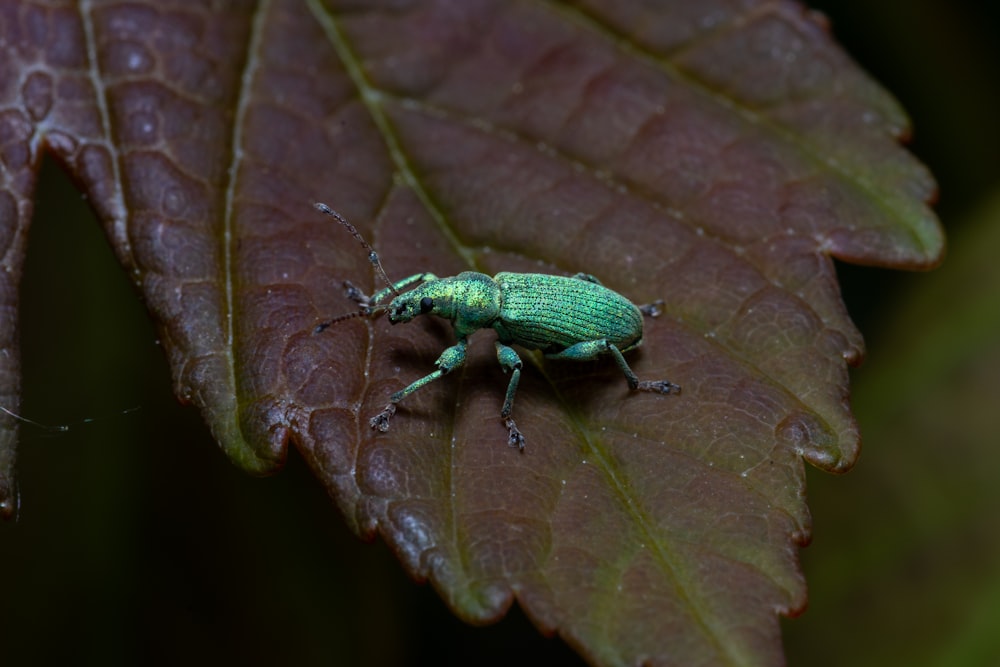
(574, 318)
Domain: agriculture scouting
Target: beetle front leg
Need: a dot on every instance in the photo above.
(510, 361)
(402, 284)
(354, 293)
(450, 359)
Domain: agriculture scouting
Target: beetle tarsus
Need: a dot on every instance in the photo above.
(659, 387)
(654, 309)
(355, 294)
(514, 437)
(380, 422)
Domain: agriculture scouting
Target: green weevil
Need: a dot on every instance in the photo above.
(565, 317)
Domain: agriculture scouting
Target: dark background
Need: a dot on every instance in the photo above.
(138, 542)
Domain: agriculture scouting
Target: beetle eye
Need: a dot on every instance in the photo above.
(426, 304)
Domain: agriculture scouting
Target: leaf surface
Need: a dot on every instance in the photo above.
(713, 156)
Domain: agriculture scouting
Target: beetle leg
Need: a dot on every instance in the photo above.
(514, 437)
(368, 304)
(510, 361)
(587, 277)
(590, 349)
(354, 293)
(381, 420)
(654, 309)
(657, 386)
(450, 359)
(402, 284)
(585, 351)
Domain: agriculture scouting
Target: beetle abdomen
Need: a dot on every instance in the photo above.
(550, 313)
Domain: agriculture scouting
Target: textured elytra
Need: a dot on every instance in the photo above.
(550, 313)
(714, 157)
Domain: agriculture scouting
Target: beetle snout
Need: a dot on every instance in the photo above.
(399, 314)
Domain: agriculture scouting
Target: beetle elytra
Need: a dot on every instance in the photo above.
(565, 317)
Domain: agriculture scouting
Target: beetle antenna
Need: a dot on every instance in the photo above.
(372, 255)
(368, 312)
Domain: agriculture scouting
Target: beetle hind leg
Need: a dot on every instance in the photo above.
(590, 349)
(654, 309)
(635, 384)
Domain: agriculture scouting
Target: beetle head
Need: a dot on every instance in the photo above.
(405, 307)
(435, 297)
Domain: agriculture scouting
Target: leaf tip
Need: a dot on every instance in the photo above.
(814, 440)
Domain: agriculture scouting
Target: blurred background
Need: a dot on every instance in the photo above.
(139, 542)
(904, 568)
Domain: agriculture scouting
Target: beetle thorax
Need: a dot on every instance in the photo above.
(476, 303)
(470, 300)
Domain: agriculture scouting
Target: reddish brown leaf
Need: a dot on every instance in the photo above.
(713, 156)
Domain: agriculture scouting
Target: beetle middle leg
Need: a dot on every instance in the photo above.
(510, 361)
(450, 359)
(591, 349)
